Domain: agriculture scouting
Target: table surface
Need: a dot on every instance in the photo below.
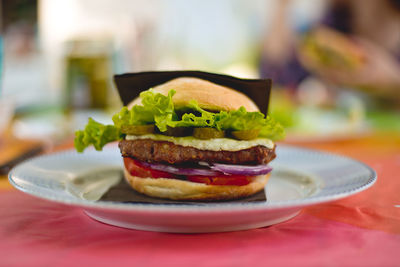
(361, 230)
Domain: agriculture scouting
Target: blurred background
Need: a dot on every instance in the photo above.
(335, 64)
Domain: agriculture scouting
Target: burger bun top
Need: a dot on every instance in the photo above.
(209, 96)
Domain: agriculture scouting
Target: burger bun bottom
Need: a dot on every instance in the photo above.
(185, 190)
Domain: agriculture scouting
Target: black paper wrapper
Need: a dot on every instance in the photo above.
(122, 192)
(130, 85)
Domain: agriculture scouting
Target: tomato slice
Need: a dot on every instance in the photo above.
(136, 168)
(222, 180)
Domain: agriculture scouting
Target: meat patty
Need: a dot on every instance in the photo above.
(167, 152)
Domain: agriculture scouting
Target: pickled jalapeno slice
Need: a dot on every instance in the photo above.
(207, 133)
(178, 131)
(246, 134)
(137, 129)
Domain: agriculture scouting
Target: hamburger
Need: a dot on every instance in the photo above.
(190, 139)
(324, 47)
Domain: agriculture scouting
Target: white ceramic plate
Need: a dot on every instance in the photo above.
(300, 178)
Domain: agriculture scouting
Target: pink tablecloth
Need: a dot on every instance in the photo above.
(363, 230)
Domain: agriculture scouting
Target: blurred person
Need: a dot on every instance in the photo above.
(370, 29)
(278, 57)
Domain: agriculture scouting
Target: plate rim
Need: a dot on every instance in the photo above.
(212, 207)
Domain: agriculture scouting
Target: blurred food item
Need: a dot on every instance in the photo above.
(351, 62)
(331, 49)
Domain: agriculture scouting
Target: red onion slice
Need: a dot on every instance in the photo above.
(181, 171)
(214, 169)
(241, 169)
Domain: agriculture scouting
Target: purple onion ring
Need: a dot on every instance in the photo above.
(241, 169)
(182, 171)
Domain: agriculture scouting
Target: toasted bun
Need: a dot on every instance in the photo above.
(209, 96)
(185, 190)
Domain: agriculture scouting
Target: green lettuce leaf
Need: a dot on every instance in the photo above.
(272, 130)
(95, 134)
(156, 108)
(206, 119)
(159, 109)
(239, 120)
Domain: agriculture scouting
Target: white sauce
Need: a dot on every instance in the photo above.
(215, 144)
